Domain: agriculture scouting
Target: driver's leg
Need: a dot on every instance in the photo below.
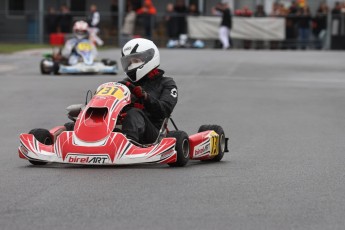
(73, 59)
(138, 127)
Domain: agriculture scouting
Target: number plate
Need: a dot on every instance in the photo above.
(111, 91)
(214, 141)
(84, 46)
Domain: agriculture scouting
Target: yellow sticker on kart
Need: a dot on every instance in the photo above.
(84, 46)
(214, 143)
(113, 91)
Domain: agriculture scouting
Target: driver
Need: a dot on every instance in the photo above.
(80, 32)
(153, 94)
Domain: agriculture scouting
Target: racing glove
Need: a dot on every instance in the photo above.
(138, 106)
(138, 91)
(128, 84)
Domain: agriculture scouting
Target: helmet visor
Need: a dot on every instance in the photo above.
(81, 33)
(135, 60)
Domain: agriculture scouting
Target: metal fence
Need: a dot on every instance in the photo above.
(33, 27)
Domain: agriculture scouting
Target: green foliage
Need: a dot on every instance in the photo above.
(6, 48)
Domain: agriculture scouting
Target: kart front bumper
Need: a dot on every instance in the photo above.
(66, 150)
(96, 67)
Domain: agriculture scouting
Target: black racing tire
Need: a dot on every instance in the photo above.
(104, 61)
(112, 62)
(56, 68)
(43, 70)
(69, 126)
(43, 136)
(219, 130)
(108, 62)
(181, 147)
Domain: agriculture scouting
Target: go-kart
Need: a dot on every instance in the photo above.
(94, 137)
(87, 63)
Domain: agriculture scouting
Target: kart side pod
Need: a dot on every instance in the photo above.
(207, 145)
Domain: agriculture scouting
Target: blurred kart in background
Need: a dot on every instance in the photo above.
(87, 63)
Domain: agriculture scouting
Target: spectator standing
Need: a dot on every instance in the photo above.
(275, 9)
(193, 11)
(337, 9)
(278, 10)
(343, 16)
(65, 20)
(135, 4)
(226, 23)
(171, 26)
(94, 17)
(94, 20)
(320, 25)
(304, 19)
(260, 13)
(128, 24)
(181, 11)
(245, 12)
(51, 21)
(147, 14)
(114, 10)
(336, 18)
(290, 28)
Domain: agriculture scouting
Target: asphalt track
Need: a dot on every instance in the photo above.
(284, 115)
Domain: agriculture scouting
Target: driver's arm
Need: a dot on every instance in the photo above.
(67, 49)
(163, 106)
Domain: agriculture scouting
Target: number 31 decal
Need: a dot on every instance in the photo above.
(111, 91)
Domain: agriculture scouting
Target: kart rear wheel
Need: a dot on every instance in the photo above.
(43, 68)
(108, 62)
(112, 62)
(43, 136)
(181, 147)
(219, 130)
(56, 68)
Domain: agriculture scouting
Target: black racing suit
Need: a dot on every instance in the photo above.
(143, 124)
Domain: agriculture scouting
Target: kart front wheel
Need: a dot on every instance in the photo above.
(43, 68)
(181, 147)
(222, 142)
(43, 136)
(69, 126)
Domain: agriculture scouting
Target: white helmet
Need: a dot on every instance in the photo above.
(139, 57)
(80, 29)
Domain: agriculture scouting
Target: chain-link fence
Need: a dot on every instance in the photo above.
(33, 27)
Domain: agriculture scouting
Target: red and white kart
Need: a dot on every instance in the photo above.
(96, 139)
